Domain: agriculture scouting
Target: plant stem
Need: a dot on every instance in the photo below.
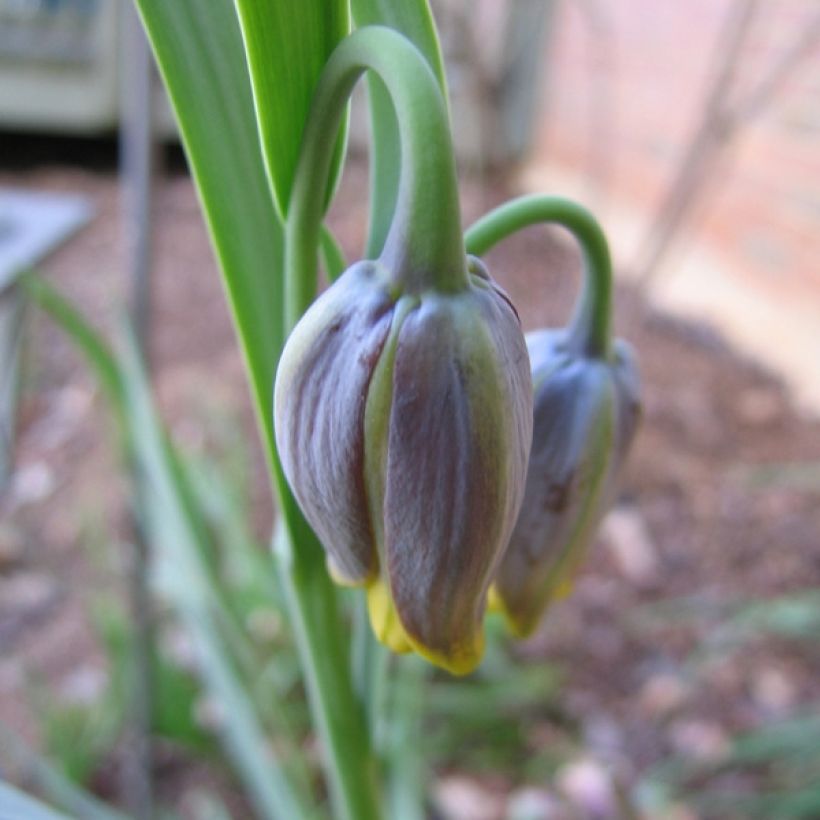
(424, 246)
(323, 648)
(591, 325)
(406, 764)
(423, 249)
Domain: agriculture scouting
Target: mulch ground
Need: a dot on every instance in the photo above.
(705, 508)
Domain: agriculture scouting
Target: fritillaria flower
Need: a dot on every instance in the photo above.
(586, 412)
(403, 421)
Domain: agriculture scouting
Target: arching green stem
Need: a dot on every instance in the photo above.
(591, 325)
(424, 247)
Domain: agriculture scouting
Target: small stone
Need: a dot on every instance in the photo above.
(209, 714)
(25, 593)
(12, 675)
(774, 691)
(672, 811)
(178, 645)
(32, 483)
(625, 532)
(11, 547)
(530, 803)
(661, 694)
(70, 406)
(699, 739)
(264, 624)
(587, 784)
(460, 798)
(84, 686)
(758, 406)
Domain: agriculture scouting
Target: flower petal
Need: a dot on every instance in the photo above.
(460, 430)
(571, 459)
(320, 398)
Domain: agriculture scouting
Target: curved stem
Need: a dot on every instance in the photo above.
(591, 325)
(424, 247)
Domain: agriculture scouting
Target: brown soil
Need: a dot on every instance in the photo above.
(711, 527)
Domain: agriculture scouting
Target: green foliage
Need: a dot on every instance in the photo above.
(184, 556)
(204, 68)
(287, 45)
(503, 700)
(241, 77)
(772, 771)
(78, 736)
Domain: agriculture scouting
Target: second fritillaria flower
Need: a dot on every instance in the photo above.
(404, 423)
(586, 412)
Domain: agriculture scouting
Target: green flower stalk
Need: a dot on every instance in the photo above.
(403, 399)
(586, 412)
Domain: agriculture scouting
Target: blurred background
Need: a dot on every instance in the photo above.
(682, 677)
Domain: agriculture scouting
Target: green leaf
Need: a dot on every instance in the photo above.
(202, 61)
(287, 46)
(97, 351)
(415, 21)
(332, 255)
(175, 530)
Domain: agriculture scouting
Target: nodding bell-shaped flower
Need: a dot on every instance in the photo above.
(403, 420)
(586, 411)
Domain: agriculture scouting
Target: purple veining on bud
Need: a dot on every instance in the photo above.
(404, 423)
(586, 412)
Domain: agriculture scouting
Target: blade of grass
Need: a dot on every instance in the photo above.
(202, 61)
(186, 583)
(96, 351)
(794, 804)
(47, 779)
(406, 765)
(287, 45)
(176, 530)
(332, 255)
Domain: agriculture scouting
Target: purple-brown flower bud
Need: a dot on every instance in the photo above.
(586, 411)
(404, 422)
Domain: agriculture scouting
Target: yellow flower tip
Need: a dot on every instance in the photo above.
(343, 580)
(520, 623)
(524, 620)
(385, 620)
(461, 660)
(388, 628)
(563, 589)
(494, 603)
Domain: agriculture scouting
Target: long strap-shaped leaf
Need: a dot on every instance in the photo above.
(200, 54)
(176, 530)
(287, 45)
(413, 19)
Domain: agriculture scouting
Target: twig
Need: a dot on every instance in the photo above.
(137, 167)
(602, 120)
(719, 124)
(768, 88)
(692, 170)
